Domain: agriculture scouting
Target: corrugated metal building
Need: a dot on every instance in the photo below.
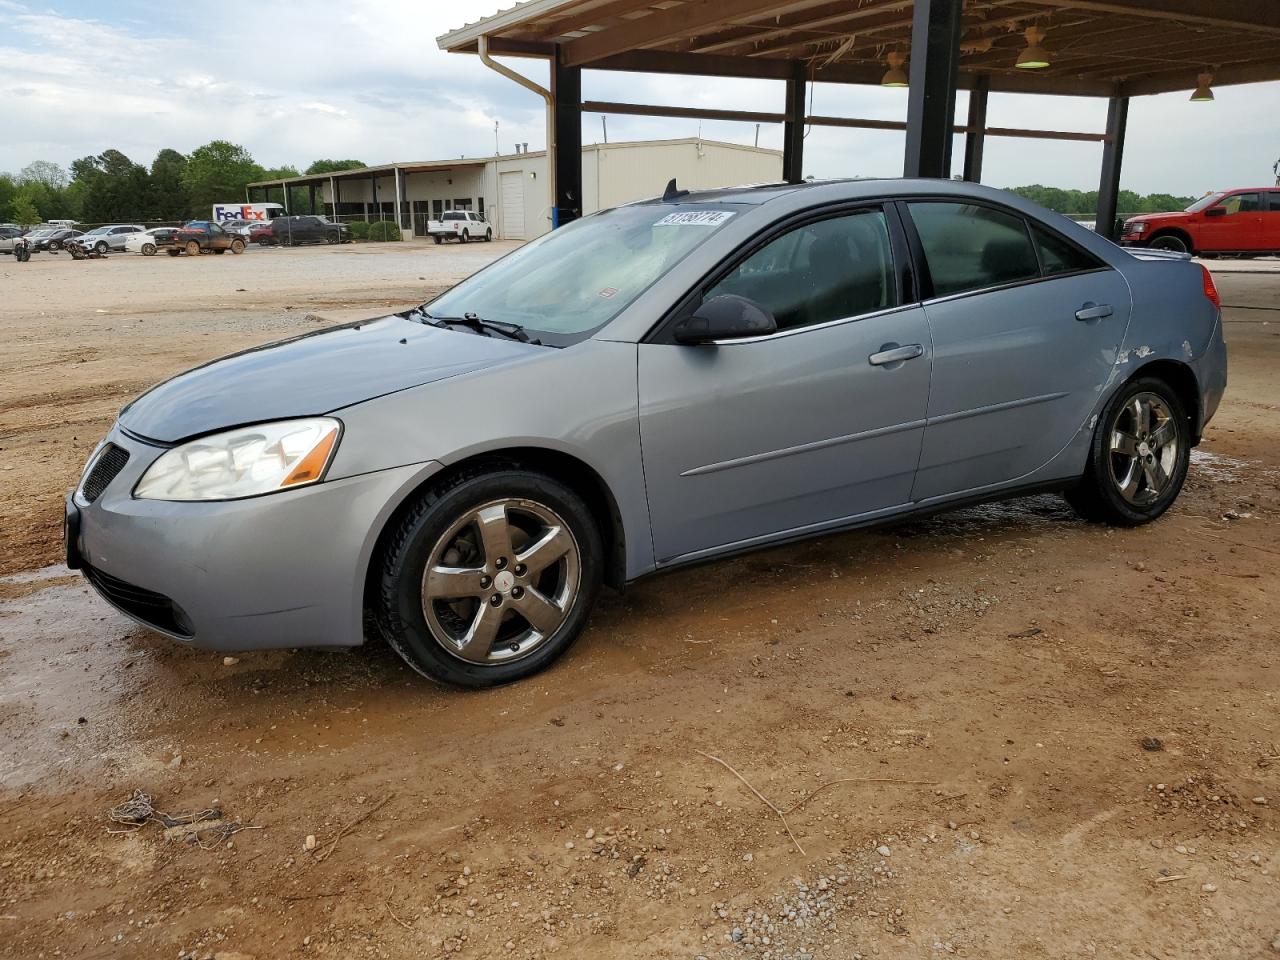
(511, 190)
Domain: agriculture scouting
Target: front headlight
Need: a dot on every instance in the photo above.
(243, 463)
(1138, 227)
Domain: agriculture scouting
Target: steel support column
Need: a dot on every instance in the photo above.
(399, 217)
(285, 187)
(566, 94)
(311, 198)
(333, 198)
(793, 126)
(1112, 157)
(976, 139)
(373, 198)
(931, 107)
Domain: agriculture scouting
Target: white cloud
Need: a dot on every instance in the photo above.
(364, 79)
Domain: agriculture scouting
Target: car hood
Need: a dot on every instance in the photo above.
(313, 374)
(1158, 217)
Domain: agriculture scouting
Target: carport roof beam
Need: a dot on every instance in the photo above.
(844, 42)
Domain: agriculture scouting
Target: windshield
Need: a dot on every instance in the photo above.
(574, 280)
(98, 230)
(1203, 203)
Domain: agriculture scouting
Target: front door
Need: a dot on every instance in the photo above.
(1240, 228)
(820, 422)
(1025, 328)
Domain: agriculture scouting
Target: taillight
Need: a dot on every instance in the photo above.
(1210, 288)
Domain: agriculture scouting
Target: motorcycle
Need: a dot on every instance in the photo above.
(22, 249)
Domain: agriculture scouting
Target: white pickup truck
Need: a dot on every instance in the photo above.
(461, 225)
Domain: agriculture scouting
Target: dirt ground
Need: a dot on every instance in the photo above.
(1028, 736)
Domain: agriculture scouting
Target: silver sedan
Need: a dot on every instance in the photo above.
(651, 386)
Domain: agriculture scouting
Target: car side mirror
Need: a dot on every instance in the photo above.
(727, 317)
(1216, 212)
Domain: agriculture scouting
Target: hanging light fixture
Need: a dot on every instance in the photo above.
(1033, 56)
(895, 76)
(1203, 92)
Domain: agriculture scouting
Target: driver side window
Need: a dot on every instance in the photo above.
(827, 270)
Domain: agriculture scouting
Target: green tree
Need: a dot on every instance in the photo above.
(333, 166)
(115, 188)
(167, 197)
(8, 191)
(217, 173)
(25, 213)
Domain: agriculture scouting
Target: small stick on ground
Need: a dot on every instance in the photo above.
(832, 783)
(324, 854)
(1170, 878)
(763, 799)
(403, 923)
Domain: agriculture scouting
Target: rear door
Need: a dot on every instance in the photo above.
(1025, 328)
(750, 439)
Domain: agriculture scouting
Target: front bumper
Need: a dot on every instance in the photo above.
(282, 570)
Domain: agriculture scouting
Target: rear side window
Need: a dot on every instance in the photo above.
(829, 270)
(1057, 256)
(969, 246)
(1242, 203)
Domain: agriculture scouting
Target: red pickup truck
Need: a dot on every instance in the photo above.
(1235, 221)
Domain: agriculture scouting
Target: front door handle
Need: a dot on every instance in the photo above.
(1094, 311)
(895, 354)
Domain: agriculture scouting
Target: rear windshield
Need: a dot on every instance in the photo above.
(455, 216)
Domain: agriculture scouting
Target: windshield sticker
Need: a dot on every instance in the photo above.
(608, 293)
(695, 218)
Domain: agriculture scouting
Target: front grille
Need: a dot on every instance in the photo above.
(106, 466)
(154, 609)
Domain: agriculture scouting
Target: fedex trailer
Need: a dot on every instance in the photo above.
(246, 211)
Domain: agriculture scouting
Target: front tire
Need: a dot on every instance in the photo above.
(1171, 241)
(490, 577)
(488, 236)
(175, 252)
(237, 246)
(465, 237)
(1139, 457)
(148, 249)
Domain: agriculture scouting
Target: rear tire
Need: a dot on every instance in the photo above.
(193, 248)
(466, 639)
(439, 240)
(464, 237)
(174, 252)
(1138, 458)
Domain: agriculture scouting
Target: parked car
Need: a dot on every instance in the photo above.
(262, 234)
(461, 225)
(239, 226)
(109, 237)
(204, 236)
(292, 230)
(1236, 221)
(148, 242)
(51, 238)
(8, 234)
(647, 387)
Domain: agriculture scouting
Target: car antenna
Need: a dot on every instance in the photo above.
(673, 192)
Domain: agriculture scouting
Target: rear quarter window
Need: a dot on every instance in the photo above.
(1059, 256)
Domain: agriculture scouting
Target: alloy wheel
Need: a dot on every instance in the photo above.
(501, 581)
(1145, 446)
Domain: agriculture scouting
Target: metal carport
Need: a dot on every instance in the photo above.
(1114, 49)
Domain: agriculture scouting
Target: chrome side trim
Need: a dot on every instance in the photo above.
(887, 311)
(802, 448)
(995, 408)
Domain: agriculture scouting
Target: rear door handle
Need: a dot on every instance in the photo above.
(1094, 311)
(895, 354)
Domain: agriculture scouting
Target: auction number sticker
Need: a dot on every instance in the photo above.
(695, 218)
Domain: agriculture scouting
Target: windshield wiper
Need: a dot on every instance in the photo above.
(478, 324)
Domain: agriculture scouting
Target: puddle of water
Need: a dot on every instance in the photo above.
(63, 655)
(1214, 466)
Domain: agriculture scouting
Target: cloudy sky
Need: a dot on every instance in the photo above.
(364, 79)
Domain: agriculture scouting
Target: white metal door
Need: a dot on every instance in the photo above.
(513, 205)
